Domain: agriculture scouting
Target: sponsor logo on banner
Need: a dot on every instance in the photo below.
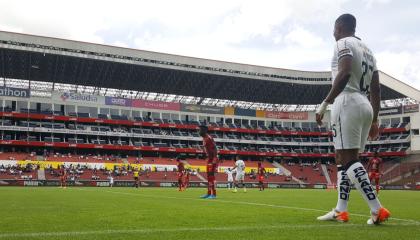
(390, 111)
(287, 115)
(411, 108)
(125, 102)
(201, 109)
(192, 108)
(31, 183)
(102, 184)
(77, 97)
(14, 92)
(245, 112)
(155, 105)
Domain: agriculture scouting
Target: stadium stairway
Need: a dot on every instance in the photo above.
(41, 174)
(287, 172)
(406, 170)
(203, 179)
(391, 168)
(326, 174)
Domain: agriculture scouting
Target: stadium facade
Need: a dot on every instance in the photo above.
(81, 98)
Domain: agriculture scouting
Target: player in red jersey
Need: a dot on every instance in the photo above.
(63, 177)
(212, 161)
(374, 170)
(181, 173)
(261, 173)
(186, 178)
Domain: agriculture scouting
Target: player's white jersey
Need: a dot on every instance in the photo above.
(229, 175)
(240, 166)
(363, 64)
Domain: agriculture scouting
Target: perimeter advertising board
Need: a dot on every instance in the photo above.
(78, 98)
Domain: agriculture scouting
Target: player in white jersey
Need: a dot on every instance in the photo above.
(240, 175)
(111, 181)
(355, 95)
(229, 173)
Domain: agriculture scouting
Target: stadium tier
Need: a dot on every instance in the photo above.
(104, 111)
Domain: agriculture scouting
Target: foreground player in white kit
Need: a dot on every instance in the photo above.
(353, 117)
(240, 175)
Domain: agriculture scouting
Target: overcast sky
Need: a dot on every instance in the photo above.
(293, 34)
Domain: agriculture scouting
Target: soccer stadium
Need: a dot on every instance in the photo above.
(101, 112)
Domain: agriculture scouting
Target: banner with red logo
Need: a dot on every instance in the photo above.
(287, 115)
(156, 105)
(411, 108)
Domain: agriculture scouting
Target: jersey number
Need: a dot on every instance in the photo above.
(365, 88)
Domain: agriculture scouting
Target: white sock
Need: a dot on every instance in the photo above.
(359, 177)
(343, 189)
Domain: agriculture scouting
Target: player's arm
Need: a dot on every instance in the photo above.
(205, 151)
(380, 167)
(375, 101)
(340, 82)
(369, 165)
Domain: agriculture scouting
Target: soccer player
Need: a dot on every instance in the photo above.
(211, 152)
(240, 175)
(229, 173)
(111, 180)
(63, 177)
(355, 95)
(181, 173)
(186, 179)
(261, 173)
(136, 178)
(374, 170)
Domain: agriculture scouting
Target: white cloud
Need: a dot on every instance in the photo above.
(278, 33)
(11, 29)
(120, 44)
(303, 38)
(402, 65)
(371, 3)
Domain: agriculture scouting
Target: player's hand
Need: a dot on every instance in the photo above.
(374, 131)
(319, 118)
(320, 111)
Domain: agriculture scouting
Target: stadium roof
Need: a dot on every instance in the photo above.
(44, 63)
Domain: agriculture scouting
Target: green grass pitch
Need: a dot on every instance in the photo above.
(164, 213)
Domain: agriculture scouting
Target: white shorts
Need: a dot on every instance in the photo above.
(351, 119)
(240, 176)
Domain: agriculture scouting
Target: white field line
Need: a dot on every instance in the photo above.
(408, 222)
(249, 203)
(169, 230)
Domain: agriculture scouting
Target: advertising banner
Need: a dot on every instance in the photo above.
(245, 112)
(14, 92)
(260, 113)
(77, 98)
(124, 102)
(202, 109)
(229, 111)
(390, 111)
(138, 103)
(287, 115)
(411, 108)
